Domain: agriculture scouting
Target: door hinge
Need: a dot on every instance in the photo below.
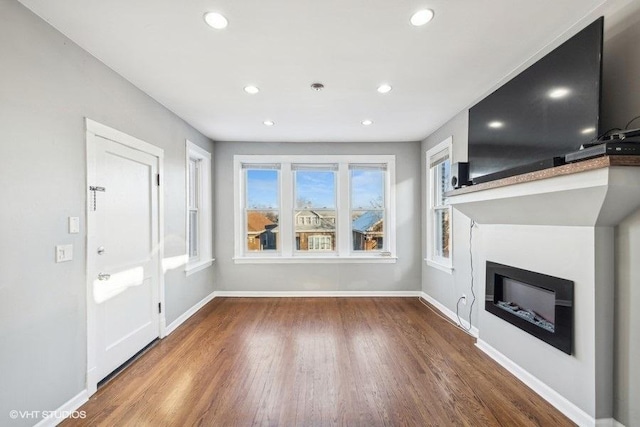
(159, 307)
(158, 179)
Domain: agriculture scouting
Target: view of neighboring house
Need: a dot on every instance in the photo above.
(368, 231)
(315, 231)
(260, 232)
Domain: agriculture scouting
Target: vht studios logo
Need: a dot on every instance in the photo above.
(34, 415)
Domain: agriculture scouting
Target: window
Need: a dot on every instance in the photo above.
(261, 213)
(439, 211)
(314, 208)
(198, 220)
(315, 201)
(367, 206)
(320, 243)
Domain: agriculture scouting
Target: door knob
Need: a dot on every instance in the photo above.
(101, 250)
(104, 276)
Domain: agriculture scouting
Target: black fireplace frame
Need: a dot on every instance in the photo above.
(562, 337)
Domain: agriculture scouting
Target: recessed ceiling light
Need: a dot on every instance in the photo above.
(495, 125)
(587, 131)
(215, 20)
(269, 123)
(559, 92)
(251, 89)
(421, 17)
(317, 86)
(367, 122)
(384, 88)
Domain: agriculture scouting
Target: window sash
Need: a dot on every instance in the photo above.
(440, 183)
(194, 229)
(193, 203)
(442, 238)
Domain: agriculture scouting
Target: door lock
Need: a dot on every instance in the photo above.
(101, 250)
(104, 276)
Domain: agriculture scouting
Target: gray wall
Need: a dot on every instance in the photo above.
(620, 103)
(401, 276)
(447, 288)
(47, 86)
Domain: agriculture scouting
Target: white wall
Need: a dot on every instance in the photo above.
(48, 85)
(401, 276)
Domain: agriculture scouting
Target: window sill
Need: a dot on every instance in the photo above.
(442, 267)
(316, 260)
(198, 266)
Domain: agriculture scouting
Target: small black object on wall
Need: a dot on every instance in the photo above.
(460, 175)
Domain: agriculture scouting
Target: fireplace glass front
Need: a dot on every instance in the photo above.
(539, 304)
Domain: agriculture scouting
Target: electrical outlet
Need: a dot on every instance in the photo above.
(464, 299)
(74, 225)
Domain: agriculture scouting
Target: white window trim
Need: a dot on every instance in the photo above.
(443, 264)
(205, 227)
(286, 252)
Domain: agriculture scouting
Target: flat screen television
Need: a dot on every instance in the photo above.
(545, 112)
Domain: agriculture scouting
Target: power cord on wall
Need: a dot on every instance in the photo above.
(473, 293)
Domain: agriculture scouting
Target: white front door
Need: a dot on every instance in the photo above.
(123, 254)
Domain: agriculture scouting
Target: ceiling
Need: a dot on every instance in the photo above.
(282, 46)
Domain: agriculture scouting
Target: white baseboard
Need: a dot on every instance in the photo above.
(569, 409)
(67, 410)
(187, 314)
(303, 294)
(608, 422)
(450, 314)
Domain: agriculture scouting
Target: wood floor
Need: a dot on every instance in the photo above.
(317, 362)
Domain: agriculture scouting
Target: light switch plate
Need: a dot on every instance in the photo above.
(74, 225)
(64, 253)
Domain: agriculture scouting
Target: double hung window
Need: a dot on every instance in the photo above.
(439, 221)
(199, 208)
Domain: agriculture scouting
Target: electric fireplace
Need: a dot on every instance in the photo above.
(539, 304)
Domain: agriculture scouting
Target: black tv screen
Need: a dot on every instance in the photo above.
(547, 111)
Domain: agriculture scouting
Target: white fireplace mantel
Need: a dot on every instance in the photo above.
(596, 192)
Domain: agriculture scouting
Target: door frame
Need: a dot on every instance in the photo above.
(93, 130)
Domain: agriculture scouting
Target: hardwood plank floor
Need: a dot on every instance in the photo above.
(317, 362)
